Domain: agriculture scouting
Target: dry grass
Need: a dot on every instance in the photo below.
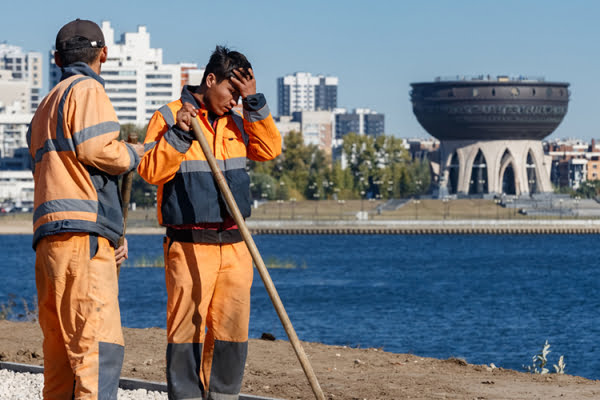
(412, 210)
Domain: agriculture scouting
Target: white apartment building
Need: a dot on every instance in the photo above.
(13, 132)
(20, 78)
(16, 188)
(285, 124)
(304, 92)
(137, 81)
(317, 128)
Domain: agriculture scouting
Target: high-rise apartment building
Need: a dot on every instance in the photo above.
(137, 81)
(304, 92)
(20, 79)
(362, 121)
(316, 128)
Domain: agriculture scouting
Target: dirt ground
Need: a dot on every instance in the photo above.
(344, 373)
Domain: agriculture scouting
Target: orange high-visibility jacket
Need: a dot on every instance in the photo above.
(187, 193)
(76, 159)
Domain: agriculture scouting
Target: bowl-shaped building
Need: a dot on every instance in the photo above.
(490, 131)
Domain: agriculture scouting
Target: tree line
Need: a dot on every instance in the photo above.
(379, 168)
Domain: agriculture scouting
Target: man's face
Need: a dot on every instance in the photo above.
(221, 97)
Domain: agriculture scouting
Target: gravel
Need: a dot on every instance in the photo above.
(24, 385)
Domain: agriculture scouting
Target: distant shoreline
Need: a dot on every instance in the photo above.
(407, 227)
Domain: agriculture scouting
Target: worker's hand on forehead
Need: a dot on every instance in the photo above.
(185, 115)
(244, 82)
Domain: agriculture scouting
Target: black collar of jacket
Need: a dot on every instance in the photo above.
(80, 68)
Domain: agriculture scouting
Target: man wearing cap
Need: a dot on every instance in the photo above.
(77, 221)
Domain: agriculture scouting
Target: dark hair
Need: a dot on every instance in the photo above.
(86, 55)
(223, 61)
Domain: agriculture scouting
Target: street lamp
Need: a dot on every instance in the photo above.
(378, 182)
(577, 199)
(362, 200)
(281, 185)
(446, 200)
(279, 202)
(341, 203)
(293, 203)
(316, 196)
(509, 201)
(325, 188)
(531, 182)
(416, 208)
(560, 201)
(497, 201)
(263, 195)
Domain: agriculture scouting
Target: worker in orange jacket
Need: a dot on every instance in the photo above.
(208, 266)
(78, 220)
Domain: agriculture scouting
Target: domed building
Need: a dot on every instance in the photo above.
(490, 132)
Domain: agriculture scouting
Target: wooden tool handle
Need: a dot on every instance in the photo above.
(126, 195)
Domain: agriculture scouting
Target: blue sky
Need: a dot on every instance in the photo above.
(376, 48)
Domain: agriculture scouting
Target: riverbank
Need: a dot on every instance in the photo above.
(344, 373)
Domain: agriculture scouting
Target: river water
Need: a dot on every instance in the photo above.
(485, 298)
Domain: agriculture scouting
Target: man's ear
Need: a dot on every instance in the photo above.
(211, 79)
(58, 60)
(103, 55)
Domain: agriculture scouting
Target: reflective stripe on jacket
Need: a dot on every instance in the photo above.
(76, 159)
(187, 192)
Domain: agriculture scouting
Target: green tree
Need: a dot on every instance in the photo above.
(587, 190)
(262, 186)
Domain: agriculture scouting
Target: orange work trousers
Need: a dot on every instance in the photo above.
(208, 312)
(79, 316)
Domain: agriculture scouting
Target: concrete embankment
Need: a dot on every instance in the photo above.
(489, 227)
(389, 227)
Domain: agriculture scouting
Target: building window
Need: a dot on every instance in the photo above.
(158, 85)
(120, 82)
(119, 90)
(159, 76)
(119, 73)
